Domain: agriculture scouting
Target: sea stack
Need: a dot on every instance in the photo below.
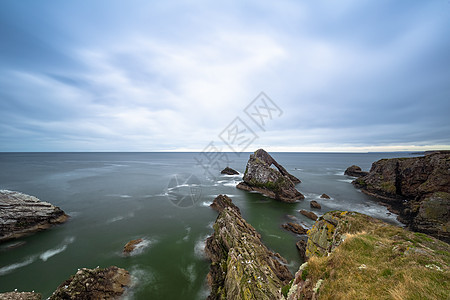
(22, 214)
(417, 188)
(276, 183)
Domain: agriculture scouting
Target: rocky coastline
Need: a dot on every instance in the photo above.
(274, 183)
(417, 188)
(22, 214)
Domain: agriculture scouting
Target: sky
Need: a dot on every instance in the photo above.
(107, 75)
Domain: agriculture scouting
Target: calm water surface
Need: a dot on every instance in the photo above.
(163, 198)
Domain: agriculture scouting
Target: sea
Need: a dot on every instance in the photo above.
(162, 198)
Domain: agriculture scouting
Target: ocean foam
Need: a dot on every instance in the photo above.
(52, 252)
(143, 245)
(199, 247)
(8, 269)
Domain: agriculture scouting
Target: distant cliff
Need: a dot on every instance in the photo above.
(417, 188)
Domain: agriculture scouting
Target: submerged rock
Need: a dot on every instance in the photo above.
(20, 296)
(274, 183)
(108, 283)
(381, 258)
(242, 267)
(22, 214)
(355, 171)
(308, 214)
(294, 227)
(229, 171)
(315, 204)
(417, 188)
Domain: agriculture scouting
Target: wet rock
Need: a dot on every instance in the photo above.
(242, 267)
(108, 283)
(294, 227)
(274, 183)
(314, 204)
(131, 246)
(355, 171)
(325, 196)
(22, 214)
(20, 296)
(229, 171)
(417, 188)
(308, 214)
(301, 246)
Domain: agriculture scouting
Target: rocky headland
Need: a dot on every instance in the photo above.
(417, 188)
(276, 183)
(107, 283)
(22, 214)
(354, 256)
(242, 267)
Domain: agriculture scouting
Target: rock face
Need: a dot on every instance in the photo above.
(260, 177)
(108, 283)
(308, 214)
(22, 214)
(229, 171)
(355, 171)
(294, 227)
(242, 267)
(20, 296)
(417, 188)
(385, 261)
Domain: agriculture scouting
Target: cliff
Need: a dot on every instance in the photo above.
(242, 267)
(22, 214)
(277, 183)
(354, 256)
(417, 188)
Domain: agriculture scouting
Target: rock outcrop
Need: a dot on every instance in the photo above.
(355, 171)
(325, 196)
(131, 246)
(294, 227)
(20, 296)
(274, 183)
(108, 283)
(229, 171)
(308, 214)
(417, 188)
(22, 214)
(354, 256)
(315, 204)
(242, 267)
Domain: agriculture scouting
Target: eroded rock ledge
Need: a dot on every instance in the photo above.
(242, 267)
(22, 214)
(417, 188)
(260, 177)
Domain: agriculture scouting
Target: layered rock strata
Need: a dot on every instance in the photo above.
(242, 267)
(276, 183)
(22, 214)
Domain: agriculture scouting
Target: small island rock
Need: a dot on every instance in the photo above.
(22, 214)
(315, 204)
(325, 196)
(294, 227)
(229, 171)
(355, 171)
(308, 214)
(274, 183)
(131, 246)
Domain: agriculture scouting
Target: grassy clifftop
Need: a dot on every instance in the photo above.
(353, 256)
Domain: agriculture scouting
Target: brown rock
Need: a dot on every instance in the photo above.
(314, 204)
(301, 246)
(229, 171)
(325, 196)
(130, 246)
(108, 283)
(20, 296)
(354, 171)
(295, 228)
(308, 214)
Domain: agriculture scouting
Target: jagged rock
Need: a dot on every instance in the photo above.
(260, 177)
(314, 204)
(294, 227)
(371, 249)
(229, 171)
(417, 188)
(325, 196)
(355, 171)
(108, 283)
(242, 267)
(22, 214)
(301, 246)
(308, 214)
(131, 246)
(20, 296)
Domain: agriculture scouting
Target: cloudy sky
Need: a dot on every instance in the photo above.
(348, 75)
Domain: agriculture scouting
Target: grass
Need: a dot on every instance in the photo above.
(383, 262)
